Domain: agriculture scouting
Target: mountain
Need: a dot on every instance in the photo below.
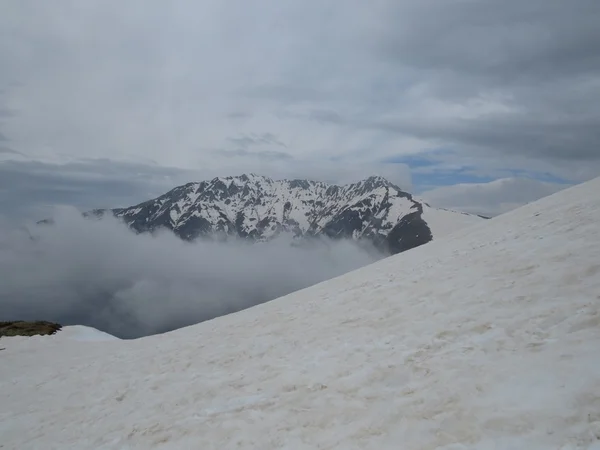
(260, 208)
(485, 340)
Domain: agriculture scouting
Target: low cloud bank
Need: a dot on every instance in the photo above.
(493, 198)
(99, 273)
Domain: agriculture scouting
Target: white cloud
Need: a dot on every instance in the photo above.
(99, 273)
(175, 82)
(492, 198)
(162, 80)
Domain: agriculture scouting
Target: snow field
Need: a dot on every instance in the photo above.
(489, 340)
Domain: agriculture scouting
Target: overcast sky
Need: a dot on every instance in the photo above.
(107, 103)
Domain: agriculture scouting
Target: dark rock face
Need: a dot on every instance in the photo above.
(412, 231)
(258, 208)
(22, 328)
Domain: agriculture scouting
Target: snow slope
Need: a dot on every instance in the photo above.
(443, 222)
(83, 333)
(489, 340)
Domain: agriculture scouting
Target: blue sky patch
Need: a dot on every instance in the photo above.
(430, 170)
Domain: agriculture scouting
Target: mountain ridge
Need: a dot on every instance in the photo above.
(259, 208)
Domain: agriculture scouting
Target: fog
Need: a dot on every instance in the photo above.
(99, 273)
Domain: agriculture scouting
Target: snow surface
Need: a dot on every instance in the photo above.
(82, 333)
(443, 222)
(489, 340)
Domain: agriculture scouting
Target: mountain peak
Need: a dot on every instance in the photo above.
(251, 177)
(258, 208)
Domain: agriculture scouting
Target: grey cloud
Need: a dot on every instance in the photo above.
(285, 93)
(522, 76)
(5, 113)
(242, 141)
(29, 190)
(542, 135)
(523, 134)
(9, 150)
(100, 274)
(494, 79)
(259, 154)
(254, 139)
(541, 58)
(506, 42)
(238, 115)
(326, 116)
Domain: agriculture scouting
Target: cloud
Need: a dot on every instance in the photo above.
(8, 150)
(29, 190)
(238, 115)
(99, 273)
(260, 154)
(508, 77)
(492, 198)
(512, 81)
(253, 139)
(514, 42)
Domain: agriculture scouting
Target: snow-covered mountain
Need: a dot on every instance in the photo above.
(487, 340)
(260, 208)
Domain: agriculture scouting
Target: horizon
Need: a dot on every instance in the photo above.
(314, 180)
